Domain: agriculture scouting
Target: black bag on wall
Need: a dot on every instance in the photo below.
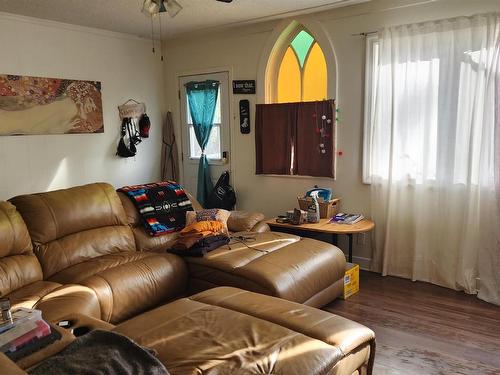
(123, 150)
(223, 195)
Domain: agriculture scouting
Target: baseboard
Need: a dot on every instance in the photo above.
(364, 263)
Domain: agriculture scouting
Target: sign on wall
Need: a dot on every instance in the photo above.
(244, 87)
(245, 116)
(37, 105)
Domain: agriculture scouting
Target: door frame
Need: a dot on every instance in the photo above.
(232, 118)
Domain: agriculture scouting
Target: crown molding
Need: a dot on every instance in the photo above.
(272, 17)
(70, 27)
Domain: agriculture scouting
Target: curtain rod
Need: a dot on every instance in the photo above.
(366, 33)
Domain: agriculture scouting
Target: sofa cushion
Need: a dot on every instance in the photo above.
(143, 240)
(30, 294)
(276, 264)
(73, 225)
(81, 271)
(59, 213)
(135, 286)
(159, 244)
(78, 248)
(127, 284)
(14, 236)
(335, 330)
(18, 264)
(265, 336)
(17, 271)
(194, 338)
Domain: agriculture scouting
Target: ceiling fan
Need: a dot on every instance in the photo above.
(172, 7)
(153, 8)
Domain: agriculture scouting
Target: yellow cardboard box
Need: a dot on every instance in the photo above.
(351, 280)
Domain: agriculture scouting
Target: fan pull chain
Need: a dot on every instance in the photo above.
(161, 39)
(152, 35)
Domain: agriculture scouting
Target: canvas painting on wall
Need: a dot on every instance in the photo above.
(36, 105)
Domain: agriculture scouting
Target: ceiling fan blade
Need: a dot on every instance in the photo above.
(225, 1)
(173, 7)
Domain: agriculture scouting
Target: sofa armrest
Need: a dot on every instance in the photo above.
(79, 324)
(67, 299)
(37, 357)
(261, 227)
(243, 221)
(9, 367)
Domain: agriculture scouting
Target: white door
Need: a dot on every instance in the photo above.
(218, 147)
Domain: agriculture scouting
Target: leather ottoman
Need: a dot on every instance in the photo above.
(266, 335)
(282, 265)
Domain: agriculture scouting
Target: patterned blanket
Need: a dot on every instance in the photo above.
(162, 205)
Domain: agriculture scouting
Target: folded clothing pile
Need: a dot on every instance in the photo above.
(200, 237)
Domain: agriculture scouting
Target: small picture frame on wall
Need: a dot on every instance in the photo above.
(244, 116)
(244, 87)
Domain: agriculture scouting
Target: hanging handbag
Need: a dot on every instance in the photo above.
(223, 194)
(144, 126)
(123, 150)
(135, 138)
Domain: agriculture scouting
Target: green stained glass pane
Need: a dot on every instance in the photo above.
(301, 44)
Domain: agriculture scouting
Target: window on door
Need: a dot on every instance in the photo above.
(218, 149)
(214, 146)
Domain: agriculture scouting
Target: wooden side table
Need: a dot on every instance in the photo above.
(324, 226)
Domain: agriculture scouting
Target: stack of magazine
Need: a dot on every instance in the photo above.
(343, 218)
(22, 328)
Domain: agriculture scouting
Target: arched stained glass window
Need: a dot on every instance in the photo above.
(302, 74)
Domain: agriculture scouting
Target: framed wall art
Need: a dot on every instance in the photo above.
(37, 105)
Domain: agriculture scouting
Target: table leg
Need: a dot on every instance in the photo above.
(350, 247)
(335, 239)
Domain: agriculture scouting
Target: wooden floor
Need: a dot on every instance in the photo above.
(425, 329)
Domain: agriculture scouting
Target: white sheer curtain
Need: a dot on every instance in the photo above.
(433, 164)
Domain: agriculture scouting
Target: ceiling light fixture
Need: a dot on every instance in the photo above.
(153, 7)
(150, 8)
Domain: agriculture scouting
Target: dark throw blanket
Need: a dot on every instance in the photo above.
(162, 206)
(104, 353)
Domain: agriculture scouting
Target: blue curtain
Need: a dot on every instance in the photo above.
(202, 98)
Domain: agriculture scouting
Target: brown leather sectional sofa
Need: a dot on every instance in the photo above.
(282, 265)
(81, 252)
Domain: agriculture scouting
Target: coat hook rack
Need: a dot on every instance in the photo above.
(131, 109)
(131, 100)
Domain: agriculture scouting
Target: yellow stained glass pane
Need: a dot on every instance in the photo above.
(289, 80)
(315, 75)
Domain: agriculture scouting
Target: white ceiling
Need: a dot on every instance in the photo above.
(125, 15)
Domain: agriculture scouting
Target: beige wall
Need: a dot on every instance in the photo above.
(126, 68)
(240, 50)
